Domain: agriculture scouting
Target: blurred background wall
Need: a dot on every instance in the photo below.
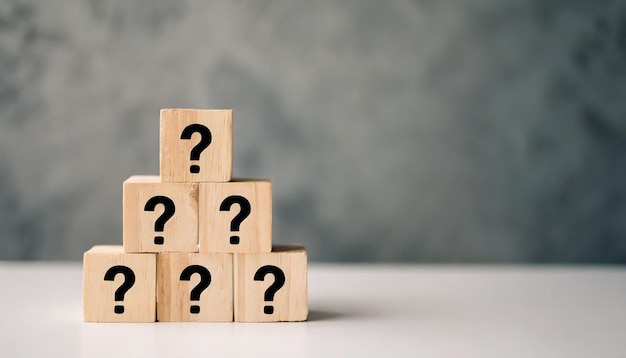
(426, 131)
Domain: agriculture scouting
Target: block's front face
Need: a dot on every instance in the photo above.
(196, 145)
(195, 287)
(118, 287)
(159, 217)
(235, 217)
(271, 287)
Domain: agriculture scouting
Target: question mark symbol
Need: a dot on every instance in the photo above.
(205, 135)
(168, 212)
(244, 211)
(129, 281)
(205, 281)
(279, 281)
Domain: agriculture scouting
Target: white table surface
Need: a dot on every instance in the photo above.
(355, 311)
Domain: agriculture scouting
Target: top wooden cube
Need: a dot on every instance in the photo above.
(196, 145)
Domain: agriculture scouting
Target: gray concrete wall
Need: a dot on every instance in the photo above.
(429, 131)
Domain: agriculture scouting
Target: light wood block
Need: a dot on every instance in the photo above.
(182, 291)
(196, 145)
(150, 225)
(255, 278)
(235, 217)
(118, 287)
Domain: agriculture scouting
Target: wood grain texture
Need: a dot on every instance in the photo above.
(215, 162)
(254, 232)
(289, 302)
(139, 301)
(179, 233)
(174, 302)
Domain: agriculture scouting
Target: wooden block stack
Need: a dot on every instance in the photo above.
(197, 244)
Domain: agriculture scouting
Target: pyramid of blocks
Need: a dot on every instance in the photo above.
(197, 244)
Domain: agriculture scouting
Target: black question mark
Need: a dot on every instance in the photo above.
(205, 281)
(129, 281)
(170, 208)
(205, 135)
(244, 211)
(279, 281)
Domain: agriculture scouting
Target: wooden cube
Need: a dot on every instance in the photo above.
(159, 217)
(118, 287)
(194, 287)
(196, 145)
(271, 287)
(235, 217)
